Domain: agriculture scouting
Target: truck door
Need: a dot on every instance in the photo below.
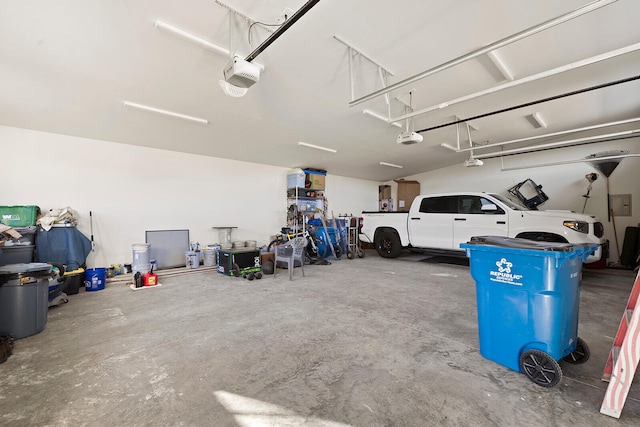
(431, 223)
(478, 216)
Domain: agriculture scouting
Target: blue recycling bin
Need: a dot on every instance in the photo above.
(528, 297)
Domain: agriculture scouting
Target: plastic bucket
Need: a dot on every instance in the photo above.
(95, 279)
(141, 258)
(191, 259)
(209, 257)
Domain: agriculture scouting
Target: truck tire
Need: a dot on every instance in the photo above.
(388, 243)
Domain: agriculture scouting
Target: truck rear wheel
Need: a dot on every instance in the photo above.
(388, 244)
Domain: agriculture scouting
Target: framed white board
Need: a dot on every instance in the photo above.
(168, 247)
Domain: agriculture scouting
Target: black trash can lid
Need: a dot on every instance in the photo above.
(517, 243)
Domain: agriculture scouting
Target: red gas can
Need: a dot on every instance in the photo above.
(150, 279)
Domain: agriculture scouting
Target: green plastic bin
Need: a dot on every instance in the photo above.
(19, 216)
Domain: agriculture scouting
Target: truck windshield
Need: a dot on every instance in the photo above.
(512, 203)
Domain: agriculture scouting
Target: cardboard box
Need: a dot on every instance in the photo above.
(267, 256)
(314, 181)
(386, 205)
(407, 191)
(384, 192)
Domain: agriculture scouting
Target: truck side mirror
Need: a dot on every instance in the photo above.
(489, 207)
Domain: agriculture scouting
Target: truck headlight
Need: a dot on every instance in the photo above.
(579, 226)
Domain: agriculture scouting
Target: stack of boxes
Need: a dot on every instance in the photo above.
(385, 202)
(407, 191)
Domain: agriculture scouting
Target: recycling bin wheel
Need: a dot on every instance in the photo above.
(580, 354)
(540, 368)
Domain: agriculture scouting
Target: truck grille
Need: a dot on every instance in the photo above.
(598, 229)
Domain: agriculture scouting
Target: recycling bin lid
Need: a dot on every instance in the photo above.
(32, 267)
(518, 243)
(11, 272)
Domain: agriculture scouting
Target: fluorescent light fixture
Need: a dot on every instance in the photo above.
(165, 112)
(391, 165)
(380, 117)
(536, 120)
(317, 147)
(192, 38)
(197, 40)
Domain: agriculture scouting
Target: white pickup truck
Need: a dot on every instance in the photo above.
(441, 222)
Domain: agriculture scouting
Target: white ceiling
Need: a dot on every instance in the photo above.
(67, 66)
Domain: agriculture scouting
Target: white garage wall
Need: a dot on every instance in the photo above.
(564, 184)
(132, 189)
(348, 196)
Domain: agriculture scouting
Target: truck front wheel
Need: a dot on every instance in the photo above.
(388, 244)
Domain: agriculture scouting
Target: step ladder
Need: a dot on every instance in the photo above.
(623, 357)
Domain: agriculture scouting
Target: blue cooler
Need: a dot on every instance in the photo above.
(528, 296)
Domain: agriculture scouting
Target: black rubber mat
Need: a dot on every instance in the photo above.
(630, 246)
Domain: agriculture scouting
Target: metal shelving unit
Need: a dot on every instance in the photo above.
(303, 205)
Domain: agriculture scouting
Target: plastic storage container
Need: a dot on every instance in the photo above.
(528, 296)
(19, 216)
(24, 303)
(74, 279)
(16, 254)
(28, 236)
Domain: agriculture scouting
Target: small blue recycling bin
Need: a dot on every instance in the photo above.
(528, 296)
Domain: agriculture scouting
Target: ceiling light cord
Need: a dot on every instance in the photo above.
(528, 104)
(263, 24)
(281, 29)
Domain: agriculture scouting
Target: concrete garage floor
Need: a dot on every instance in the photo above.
(364, 342)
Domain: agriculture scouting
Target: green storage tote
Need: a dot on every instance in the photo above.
(19, 216)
